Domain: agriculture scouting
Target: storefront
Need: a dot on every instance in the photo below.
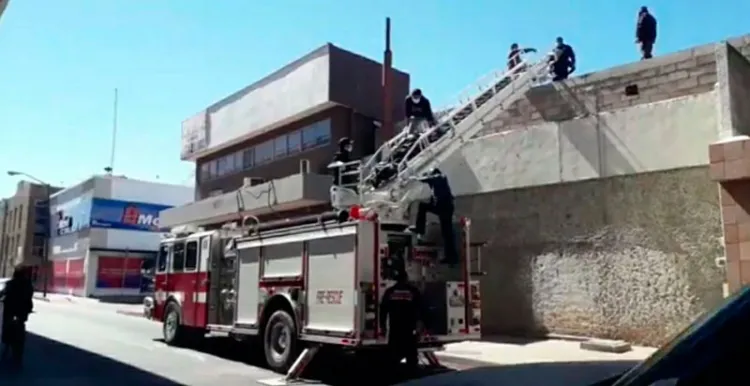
(105, 247)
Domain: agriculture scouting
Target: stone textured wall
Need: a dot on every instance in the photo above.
(629, 257)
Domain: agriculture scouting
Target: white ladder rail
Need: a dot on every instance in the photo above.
(437, 152)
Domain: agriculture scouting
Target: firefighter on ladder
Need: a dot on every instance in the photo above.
(400, 317)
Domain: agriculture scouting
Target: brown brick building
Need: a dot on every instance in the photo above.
(24, 223)
(286, 125)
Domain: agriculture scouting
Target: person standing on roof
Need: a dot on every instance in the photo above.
(645, 32)
(418, 109)
(565, 60)
(514, 57)
(400, 315)
(441, 205)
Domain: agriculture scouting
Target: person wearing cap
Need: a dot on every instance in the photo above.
(418, 108)
(645, 32)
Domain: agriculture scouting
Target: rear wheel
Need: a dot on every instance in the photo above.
(280, 342)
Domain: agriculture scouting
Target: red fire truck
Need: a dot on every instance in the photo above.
(307, 282)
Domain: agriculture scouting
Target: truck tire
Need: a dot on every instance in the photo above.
(172, 329)
(280, 342)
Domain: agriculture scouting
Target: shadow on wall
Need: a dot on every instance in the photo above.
(627, 257)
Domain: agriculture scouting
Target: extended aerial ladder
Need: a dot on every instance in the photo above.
(411, 155)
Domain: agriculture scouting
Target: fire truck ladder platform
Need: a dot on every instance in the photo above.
(294, 375)
(412, 156)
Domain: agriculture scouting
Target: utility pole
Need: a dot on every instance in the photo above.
(110, 169)
(387, 129)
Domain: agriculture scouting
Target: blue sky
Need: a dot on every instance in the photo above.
(61, 60)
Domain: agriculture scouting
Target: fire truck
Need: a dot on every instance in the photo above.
(299, 284)
(312, 281)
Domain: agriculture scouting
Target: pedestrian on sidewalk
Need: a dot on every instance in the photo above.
(17, 305)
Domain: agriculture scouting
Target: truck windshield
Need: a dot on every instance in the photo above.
(161, 260)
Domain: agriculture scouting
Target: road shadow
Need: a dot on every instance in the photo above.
(50, 363)
(331, 367)
(535, 374)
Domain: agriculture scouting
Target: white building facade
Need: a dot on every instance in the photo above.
(105, 234)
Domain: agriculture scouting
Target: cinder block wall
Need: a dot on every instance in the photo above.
(579, 245)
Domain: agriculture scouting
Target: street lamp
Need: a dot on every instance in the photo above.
(47, 193)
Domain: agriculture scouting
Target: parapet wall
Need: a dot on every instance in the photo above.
(688, 72)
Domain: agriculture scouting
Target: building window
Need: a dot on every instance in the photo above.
(247, 159)
(294, 142)
(279, 147)
(205, 172)
(222, 166)
(264, 152)
(317, 134)
(20, 217)
(213, 168)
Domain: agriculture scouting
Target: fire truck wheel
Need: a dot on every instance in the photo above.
(172, 329)
(280, 341)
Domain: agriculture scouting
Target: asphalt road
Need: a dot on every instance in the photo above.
(81, 346)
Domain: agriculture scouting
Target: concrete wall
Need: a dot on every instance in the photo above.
(326, 77)
(602, 217)
(734, 90)
(619, 142)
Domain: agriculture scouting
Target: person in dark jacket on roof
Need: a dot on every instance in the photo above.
(341, 158)
(645, 32)
(565, 61)
(400, 315)
(441, 205)
(514, 57)
(418, 108)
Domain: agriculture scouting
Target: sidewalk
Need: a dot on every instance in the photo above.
(120, 308)
(509, 351)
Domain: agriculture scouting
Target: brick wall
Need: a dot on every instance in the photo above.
(687, 72)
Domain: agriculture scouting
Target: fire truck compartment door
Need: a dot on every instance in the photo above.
(247, 292)
(282, 260)
(331, 298)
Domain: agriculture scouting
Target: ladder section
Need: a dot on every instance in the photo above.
(406, 155)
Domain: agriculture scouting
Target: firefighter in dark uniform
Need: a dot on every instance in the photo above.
(343, 155)
(645, 32)
(418, 107)
(400, 316)
(441, 205)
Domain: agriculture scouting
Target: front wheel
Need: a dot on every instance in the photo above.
(280, 342)
(172, 329)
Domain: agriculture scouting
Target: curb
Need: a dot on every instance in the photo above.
(43, 299)
(136, 314)
(462, 361)
(608, 346)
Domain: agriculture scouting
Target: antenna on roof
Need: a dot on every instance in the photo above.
(109, 169)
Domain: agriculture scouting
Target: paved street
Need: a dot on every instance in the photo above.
(74, 345)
